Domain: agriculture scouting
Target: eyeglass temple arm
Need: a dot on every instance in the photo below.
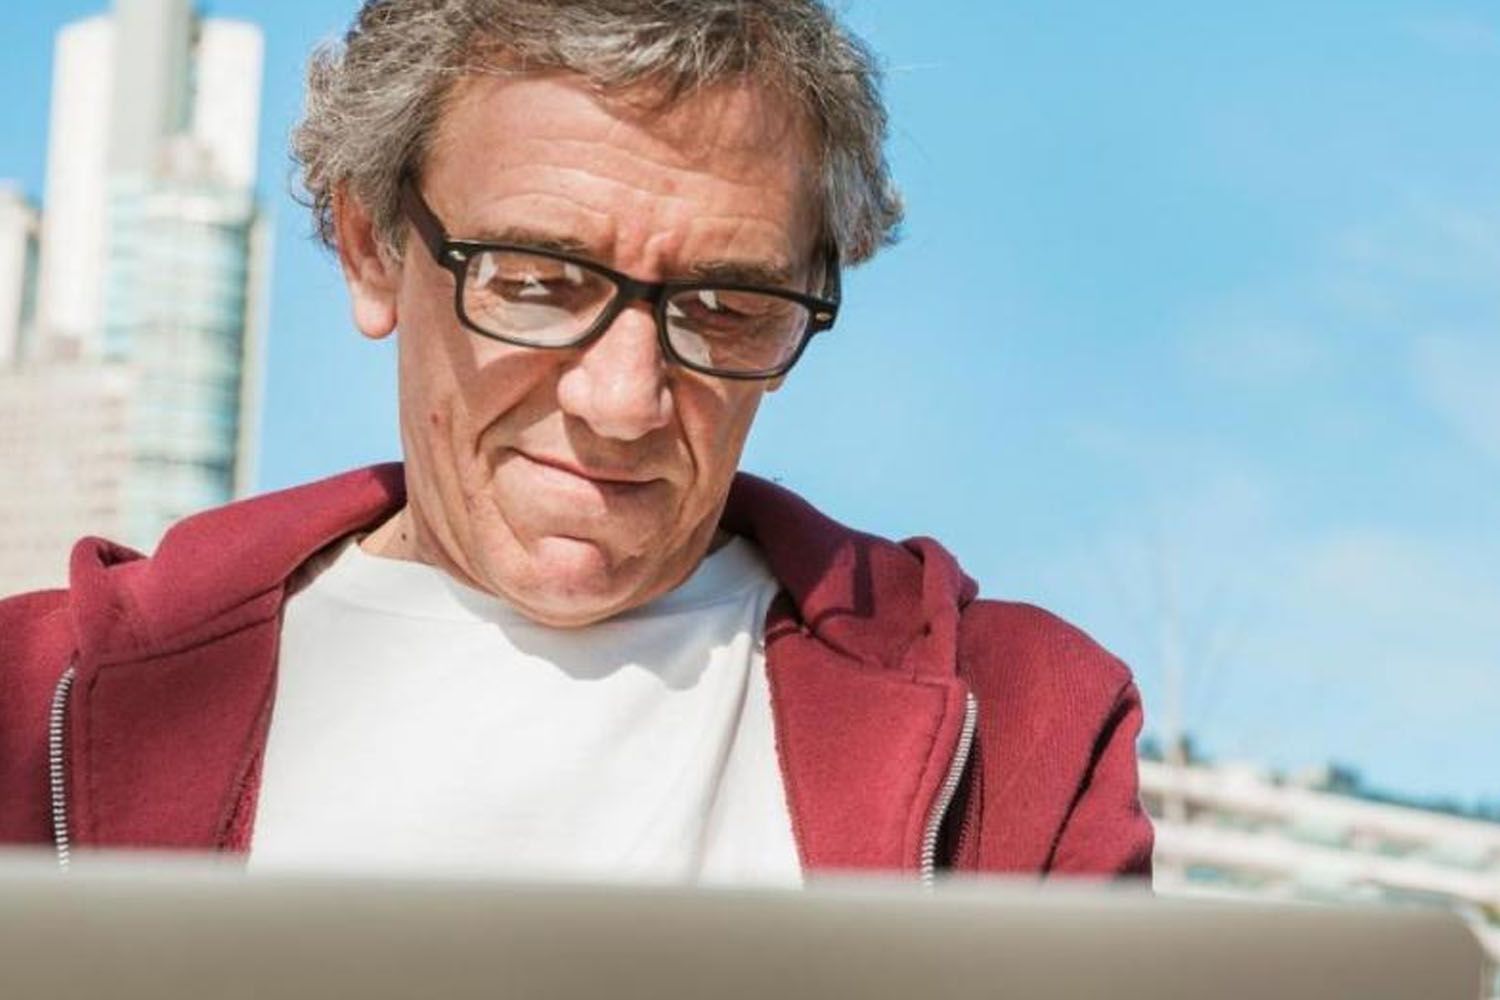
(428, 227)
(833, 292)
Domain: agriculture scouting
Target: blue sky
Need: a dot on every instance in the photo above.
(1198, 308)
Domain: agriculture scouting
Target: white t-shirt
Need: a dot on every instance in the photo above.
(422, 725)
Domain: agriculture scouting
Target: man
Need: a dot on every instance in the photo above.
(566, 637)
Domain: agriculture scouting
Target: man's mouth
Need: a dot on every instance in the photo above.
(611, 479)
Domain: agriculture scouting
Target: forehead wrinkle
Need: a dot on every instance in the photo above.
(741, 251)
(710, 118)
(597, 230)
(663, 178)
(542, 181)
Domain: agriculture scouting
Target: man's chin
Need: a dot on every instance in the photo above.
(572, 582)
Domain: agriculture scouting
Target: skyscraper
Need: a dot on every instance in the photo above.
(152, 267)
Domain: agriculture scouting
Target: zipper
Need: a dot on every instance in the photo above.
(56, 771)
(948, 790)
(967, 824)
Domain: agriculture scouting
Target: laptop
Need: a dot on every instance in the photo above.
(129, 929)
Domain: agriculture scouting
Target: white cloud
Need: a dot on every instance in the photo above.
(1377, 288)
(1459, 377)
(1458, 33)
(1402, 582)
(1255, 355)
(1424, 247)
(1395, 638)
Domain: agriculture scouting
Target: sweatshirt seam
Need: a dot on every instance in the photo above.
(150, 652)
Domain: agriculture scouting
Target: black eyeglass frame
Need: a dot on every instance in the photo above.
(454, 256)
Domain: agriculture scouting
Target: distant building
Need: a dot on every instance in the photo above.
(152, 268)
(179, 295)
(1234, 831)
(73, 230)
(52, 496)
(18, 269)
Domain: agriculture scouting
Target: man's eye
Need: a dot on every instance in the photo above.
(709, 300)
(701, 309)
(528, 287)
(728, 306)
(528, 279)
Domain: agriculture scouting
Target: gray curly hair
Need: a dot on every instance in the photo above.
(373, 103)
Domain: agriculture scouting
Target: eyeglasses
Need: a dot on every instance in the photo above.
(540, 298)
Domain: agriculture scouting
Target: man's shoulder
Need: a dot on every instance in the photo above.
(205, 564)
(1026, 663)
(1018, 653)
(1031, 645)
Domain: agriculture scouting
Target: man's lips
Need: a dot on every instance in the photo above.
(601, 476)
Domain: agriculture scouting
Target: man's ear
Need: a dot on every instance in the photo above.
(372, 275)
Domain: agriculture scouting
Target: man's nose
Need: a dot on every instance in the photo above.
(618, 383)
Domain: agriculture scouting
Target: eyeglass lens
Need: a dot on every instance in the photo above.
(547, 302)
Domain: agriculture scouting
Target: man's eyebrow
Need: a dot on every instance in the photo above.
(533, 239)
(742, 272)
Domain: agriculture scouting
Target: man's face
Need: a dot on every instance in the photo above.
(580, 483)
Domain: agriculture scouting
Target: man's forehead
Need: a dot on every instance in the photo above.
(546, 152)
(724, 126)
(741, 115)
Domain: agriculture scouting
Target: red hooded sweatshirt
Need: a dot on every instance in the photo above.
(915, 725)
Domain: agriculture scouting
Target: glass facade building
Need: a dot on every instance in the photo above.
(177, 290)
(152, 266)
